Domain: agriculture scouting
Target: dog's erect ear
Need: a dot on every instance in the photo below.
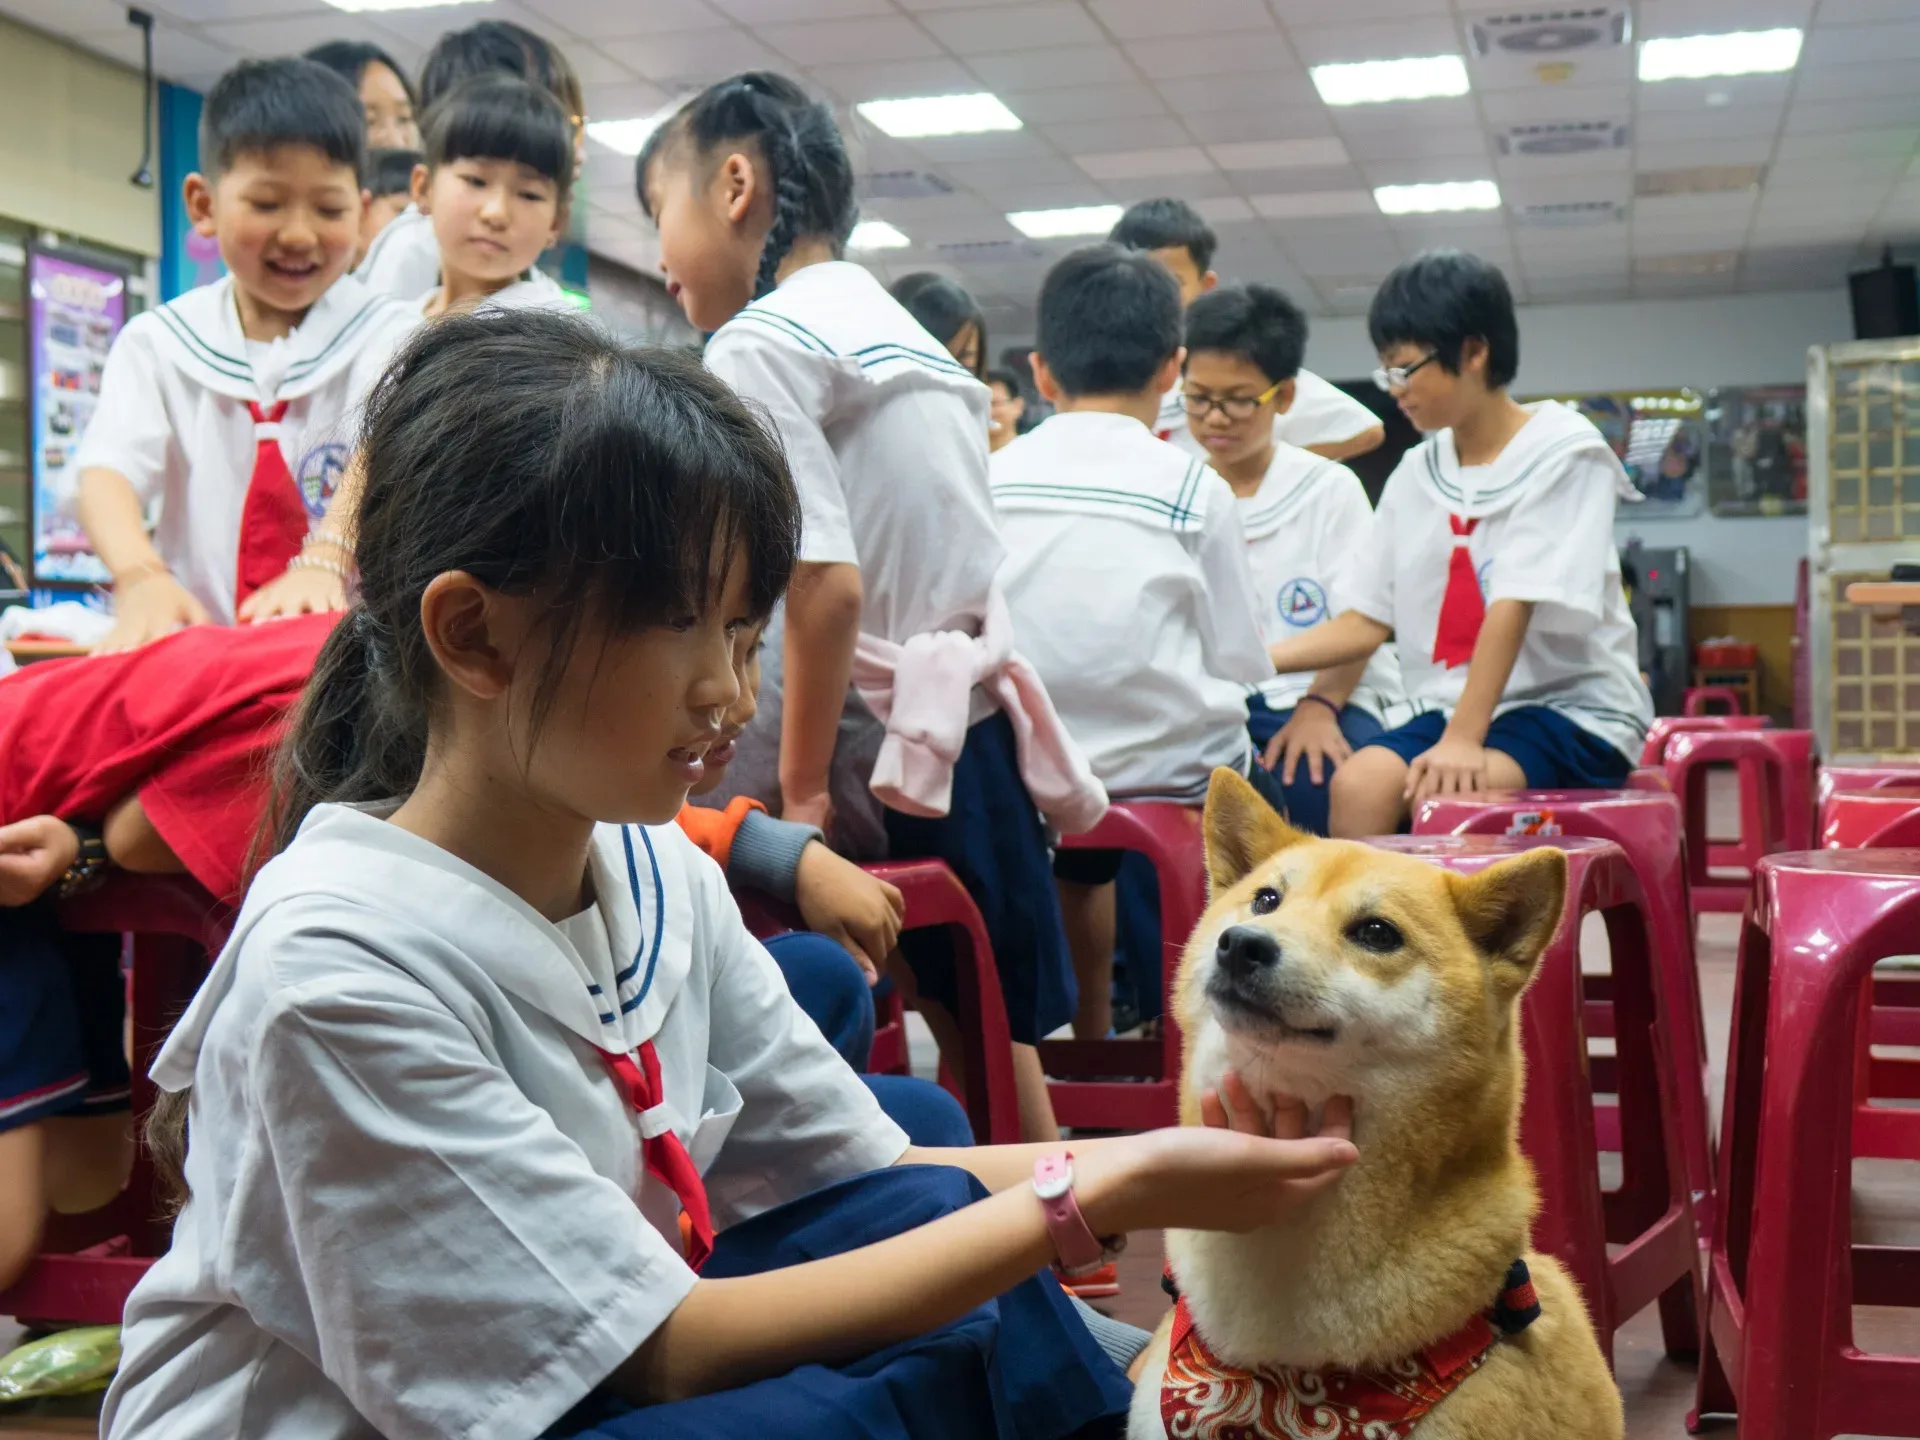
(1511, 910)
(1241, 830)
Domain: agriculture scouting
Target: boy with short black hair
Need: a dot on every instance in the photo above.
(1126, 573)
(230, 405)
(1493, 564)
(389, 190)
(1323, 418)
(1305, 518)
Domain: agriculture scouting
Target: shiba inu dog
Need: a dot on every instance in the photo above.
(1399, 1303)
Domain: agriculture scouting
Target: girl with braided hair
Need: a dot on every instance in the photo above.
(885, 433)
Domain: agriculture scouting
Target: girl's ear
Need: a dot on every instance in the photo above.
(737, 185)
(422, 187)
(465, 623)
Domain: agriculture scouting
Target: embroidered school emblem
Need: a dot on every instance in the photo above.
(1485, 577)
(1302, 602)
(321, 470)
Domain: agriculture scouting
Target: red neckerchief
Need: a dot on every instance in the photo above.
(666, 1158)
(1463, 609)
(1202, 1398)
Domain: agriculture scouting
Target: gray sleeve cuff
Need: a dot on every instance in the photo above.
(766, 853)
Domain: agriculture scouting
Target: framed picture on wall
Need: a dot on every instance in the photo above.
(1757, 450)
(1660, 437)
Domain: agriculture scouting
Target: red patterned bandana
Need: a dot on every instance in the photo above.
(1202, 1398)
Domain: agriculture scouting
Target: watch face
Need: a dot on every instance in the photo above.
(1057, 1182)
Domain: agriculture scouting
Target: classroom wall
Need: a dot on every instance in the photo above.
(70, 136)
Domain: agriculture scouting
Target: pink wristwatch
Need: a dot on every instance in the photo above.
(1079, 1249)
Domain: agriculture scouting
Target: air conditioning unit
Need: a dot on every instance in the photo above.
(1564, 137)
(1550, 31)
(903, 185)
(1571, 214)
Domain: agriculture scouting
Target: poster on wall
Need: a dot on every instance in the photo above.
(76, 309)
(1660, 438)
(1757, 450)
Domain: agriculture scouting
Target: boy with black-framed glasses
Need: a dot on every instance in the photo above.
(1493, 565)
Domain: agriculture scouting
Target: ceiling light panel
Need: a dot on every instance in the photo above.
(1071, 220)
(1370, 82)
(1435, 197)
(877, 235)
(918, 116)
(1742, 52)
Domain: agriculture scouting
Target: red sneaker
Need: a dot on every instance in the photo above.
(1096, 1284)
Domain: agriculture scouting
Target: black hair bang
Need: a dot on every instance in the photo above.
(260, 105)
(501, 117)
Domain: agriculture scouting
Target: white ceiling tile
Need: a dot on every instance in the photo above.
(694, 57)
(1226, 210)
(828, 42)
(898, 78)
(1279, 154)
(1140, 133)
(1320, 44)
(595, 67)
(988, 32)
(1308, 178)
(1433, 144)
(1586, 285)
(1555, 187)
(1858, 12)
(286, 35)
(1331, 12)
(1831, 116)
(985, 174)
(202, 12)
(597, 20)
(1185, 160)
(1313, 204)
(1713, 282)
(1018, 194)
(1862, 44)
(1175, 57)
(1725, 207)
(1684, 154)
(1853, 82)
(1582, 70)
(1052, 65)
(1406, 116)
(80, 17)
(1144, 19)
(1739, 90)
(1084, 102)
(763, 12)
(1524, 169)
(1539, 103)
(1663, 243)
(628, 100)
(1724, 122)
(1011, 147)
(1198, 95)
(1288, 122)
(1714, 17)
(1869, 172)
(1211, 185)
(426, 26)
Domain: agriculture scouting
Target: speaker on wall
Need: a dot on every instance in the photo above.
(1886, 301)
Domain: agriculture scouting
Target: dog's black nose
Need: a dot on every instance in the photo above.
(1246, 950)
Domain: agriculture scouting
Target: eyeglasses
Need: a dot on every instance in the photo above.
(1395, 377)
(1234, 407)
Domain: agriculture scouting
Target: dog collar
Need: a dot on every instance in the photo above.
(1204, 1398)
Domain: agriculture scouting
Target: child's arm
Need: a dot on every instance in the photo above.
(1458, 764)
(148, 601)
(1230, 640)
(727, 1333)
(1365, 442)
(318, 579)
(1313, 730)
(823, 626)
(1349, 637)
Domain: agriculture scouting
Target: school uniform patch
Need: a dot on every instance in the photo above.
(1303, 602)
(321, 470)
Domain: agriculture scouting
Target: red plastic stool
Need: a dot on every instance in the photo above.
(1776, 804)
(1646, 825)
(1169, 836)
(1832, 779)
(935, 897)
(1650, 1218)
(89, 1263)
(1699, 697)
(1784, 1274)
(1851, 819)
(1665, 727)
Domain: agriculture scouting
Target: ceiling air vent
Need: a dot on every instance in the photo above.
(1550, 31)
(903, 185)
(1563, 137)
(1569, 214)
(1699, 180)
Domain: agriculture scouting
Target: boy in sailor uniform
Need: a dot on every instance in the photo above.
(231, 408)
(1492, 564)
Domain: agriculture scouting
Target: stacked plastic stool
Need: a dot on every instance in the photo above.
(1776, 778)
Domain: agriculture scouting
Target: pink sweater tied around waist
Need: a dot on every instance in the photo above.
(920, 690)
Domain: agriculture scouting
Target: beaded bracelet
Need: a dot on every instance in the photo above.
(329, 538)
(304, 561)
(1322, 700)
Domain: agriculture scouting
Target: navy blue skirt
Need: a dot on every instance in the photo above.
(992, 838)
(1022, 1367)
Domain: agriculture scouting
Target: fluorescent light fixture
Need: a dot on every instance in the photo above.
(923, 115)
(1441, 195)
(1074, 220)
(1743, 52)
(628, 137)
(1368, 82)
(876, 235)
(358, 5)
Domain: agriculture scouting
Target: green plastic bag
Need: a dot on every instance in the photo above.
(69, 1362)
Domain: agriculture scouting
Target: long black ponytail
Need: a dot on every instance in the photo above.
(806, 160)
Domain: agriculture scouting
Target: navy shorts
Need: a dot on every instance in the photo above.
(62, 1004)
(1551, 751)
(992, 839)
(1307, 803)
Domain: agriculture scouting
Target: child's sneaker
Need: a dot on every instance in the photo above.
(1097, 1284)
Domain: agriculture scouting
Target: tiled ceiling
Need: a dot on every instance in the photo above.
(1210, 100)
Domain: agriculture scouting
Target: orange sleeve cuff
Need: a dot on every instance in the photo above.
(713, 830)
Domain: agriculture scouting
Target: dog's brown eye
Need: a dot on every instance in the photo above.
(1266, 900)
(1380, 936)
